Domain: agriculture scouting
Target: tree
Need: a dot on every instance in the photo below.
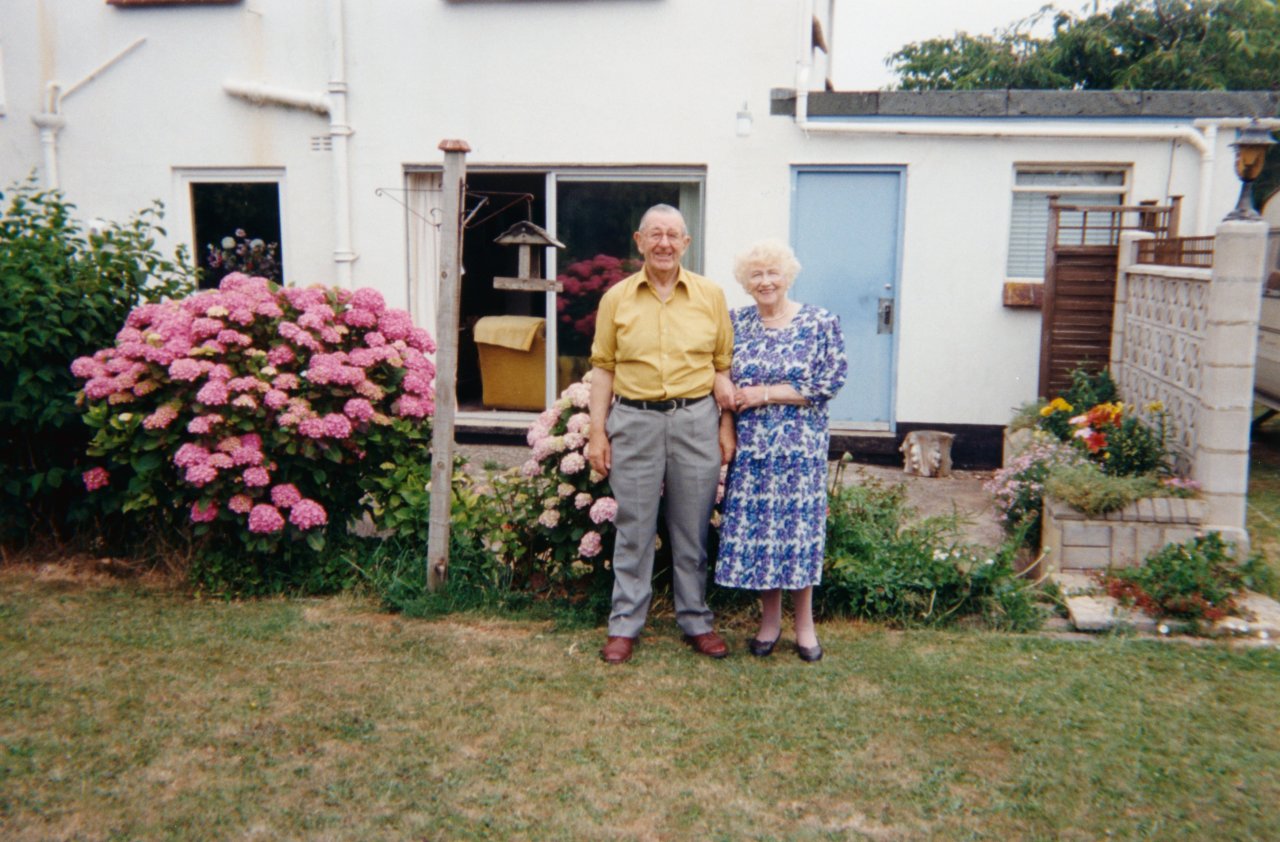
(1136, 45)
(1199, 45)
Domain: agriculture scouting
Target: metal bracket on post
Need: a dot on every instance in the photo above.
(447, 306)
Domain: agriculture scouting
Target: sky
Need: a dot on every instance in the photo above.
(866, 31)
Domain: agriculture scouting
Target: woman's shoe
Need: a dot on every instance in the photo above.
(762, 648)
(809, 653)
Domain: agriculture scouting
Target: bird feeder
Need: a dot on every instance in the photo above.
(531, 240)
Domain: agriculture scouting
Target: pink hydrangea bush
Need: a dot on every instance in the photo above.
(264, 415)
(573, 508)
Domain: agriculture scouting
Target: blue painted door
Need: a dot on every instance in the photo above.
(845, 229)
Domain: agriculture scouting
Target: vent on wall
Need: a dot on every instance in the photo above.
(322, 143)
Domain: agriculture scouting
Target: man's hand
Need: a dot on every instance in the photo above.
(600, 453)
(723, 390)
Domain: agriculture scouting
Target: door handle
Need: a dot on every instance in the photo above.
(884, 316)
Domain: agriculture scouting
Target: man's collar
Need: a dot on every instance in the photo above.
(681, 276)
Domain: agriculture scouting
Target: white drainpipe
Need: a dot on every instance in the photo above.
(51, 121)
(1201, 136)
(334, 105)
(340, 136)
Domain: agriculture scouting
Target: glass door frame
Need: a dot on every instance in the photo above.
(693, 178)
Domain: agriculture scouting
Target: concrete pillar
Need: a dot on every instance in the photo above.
(1221, 458)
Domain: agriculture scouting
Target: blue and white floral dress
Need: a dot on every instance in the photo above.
(773, 533)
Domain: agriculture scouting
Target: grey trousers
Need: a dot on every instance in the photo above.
(677, 455)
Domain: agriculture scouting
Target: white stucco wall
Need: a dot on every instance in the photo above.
(627, 82)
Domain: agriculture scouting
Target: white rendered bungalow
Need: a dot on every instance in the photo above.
(918, 217)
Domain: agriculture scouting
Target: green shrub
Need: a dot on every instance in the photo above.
(884, 565)
(65, 294)
(1087, 487)
(1196, 580)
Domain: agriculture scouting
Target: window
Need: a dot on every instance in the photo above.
(235, 222)
(1031, 191)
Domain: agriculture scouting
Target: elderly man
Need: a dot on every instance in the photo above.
(663, 344)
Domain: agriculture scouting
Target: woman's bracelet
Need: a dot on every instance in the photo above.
(766, 393)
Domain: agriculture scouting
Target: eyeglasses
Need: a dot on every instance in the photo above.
(658, 236)
(774, 275)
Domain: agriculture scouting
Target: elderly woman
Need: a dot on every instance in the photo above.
(788, 362)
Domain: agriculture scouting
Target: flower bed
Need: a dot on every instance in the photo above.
(1077, 542)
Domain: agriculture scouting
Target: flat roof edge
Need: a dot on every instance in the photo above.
(1023, 103)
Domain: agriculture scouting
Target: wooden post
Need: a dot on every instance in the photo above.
(455, 169)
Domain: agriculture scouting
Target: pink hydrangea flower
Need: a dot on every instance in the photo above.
(220, 461)
(281, 355)
(201, 475)
(582, 500)
(234, 337)
(203, 424)
(550, 518)
(256, 477)
(161, 418)
(374, 339)
(368, 299)
(204, 512)
(275, 398)
(185, 369)
(360, 317)
(307, 513)
(358, 410)
(265, 518)
(530, 468)
(95, 478)
(240, 503)
(99, 388)
(87, 367)
(417, 384)
(411, 406)
(312, 428)
(337, 426)
(604, 509)
(590, 545)
(420, 340)
(242, 456)
(190, 454)
(573, 463)
(285, 495)
(213, 393)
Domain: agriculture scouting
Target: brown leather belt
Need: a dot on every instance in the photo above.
(662, 406)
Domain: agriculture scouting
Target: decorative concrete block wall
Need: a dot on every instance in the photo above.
(1187, 337)
(1077, 542)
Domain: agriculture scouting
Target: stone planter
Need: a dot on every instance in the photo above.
(1076, 542)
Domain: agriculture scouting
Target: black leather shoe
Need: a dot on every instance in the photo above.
(809, 653)
(762, 648)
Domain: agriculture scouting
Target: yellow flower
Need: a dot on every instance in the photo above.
(1055, 405)
(1155, 406)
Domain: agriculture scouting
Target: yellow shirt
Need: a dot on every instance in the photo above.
(663, 349)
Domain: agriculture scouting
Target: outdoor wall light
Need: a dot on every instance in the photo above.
(1251, 154)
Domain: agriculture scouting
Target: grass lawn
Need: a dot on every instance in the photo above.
(131, 712)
